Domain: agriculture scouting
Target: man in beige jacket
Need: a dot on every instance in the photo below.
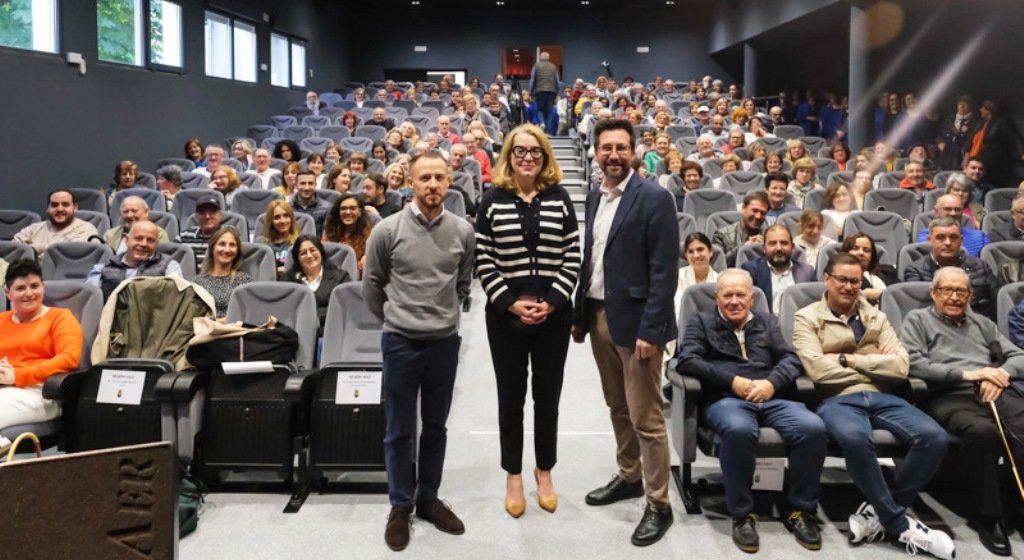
(853, 355)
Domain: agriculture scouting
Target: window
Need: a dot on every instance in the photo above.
(29, 24)
(279, 72)
(119, 31)
(165, 33)
(298, 64)
(230, 48)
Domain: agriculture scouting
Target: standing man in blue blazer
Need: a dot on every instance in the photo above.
(628, 277)
(777, 270)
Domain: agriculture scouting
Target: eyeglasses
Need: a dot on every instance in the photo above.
(607, 149)
(946, 291)
(520, 152)
(853, 282)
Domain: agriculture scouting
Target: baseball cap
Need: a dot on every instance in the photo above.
(703, 109)
(209, 199)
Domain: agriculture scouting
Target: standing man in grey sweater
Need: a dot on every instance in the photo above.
(419, 264)
(544, 88)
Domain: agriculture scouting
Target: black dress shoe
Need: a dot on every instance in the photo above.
(744, 533)
(993, 537)
(615, 491)
(805, 527)
(652, 526)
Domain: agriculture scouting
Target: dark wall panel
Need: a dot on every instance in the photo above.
(62, 129)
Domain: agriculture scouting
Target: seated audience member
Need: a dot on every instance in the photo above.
(133, 209)
(126, 173)
(380, 118)
(837, 204)
(960, 186)
(261, 166)
(736, 140)
(692, 173)
(974, 169)
(673, 165)
(225, 180)
(946, 240)
(306, 201)
(952, 348)
(36, 341)
(280, 230)
(397, 176)
(776, 270)
(481, 157)
(348, 223)
(811, 240)
(168, 181)
(743, 360)
(853, 355)
(309, 267)
(841, 155)
(444, 130)
(705, 150)
(862, 185)
(729, 163)
(803, 180)
(748, 230)
(697, 249)
(332, 153)
(375, 196)
(315, 163)
(339, 179)
(758, 129)
(755, 151)
(60, 225)
(379, 152)
(876, 276)
(915, 180)
(1014, 229)
(776, 185)
(194, 152)
(287, 150)
(288, 180)
(662, 144)
(140, 259)
(716, 130)
(357, 162)
(214, 158)
(773, 163)
(350, 121)
(951, 205)
(795, 150)
(222, 268)
(207, 217)
(241, 151)
(646, 143)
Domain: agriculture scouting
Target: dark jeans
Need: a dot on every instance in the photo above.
(412, 368)
(738, 423)
(850, 420)
(515, 349)
(546, 106)
(964, 416)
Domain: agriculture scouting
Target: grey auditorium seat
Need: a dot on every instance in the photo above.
(72, 260)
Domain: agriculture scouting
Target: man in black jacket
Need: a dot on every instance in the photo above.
(741, 357)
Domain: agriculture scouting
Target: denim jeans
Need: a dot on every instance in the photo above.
(850, 420)
(738, 424)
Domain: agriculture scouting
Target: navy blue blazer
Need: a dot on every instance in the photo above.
(641, 265)
(759, 271)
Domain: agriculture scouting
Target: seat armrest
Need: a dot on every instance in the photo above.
(63, 386)
(805, 387)
(691, 386)
(918, 390)
(187, 384)
(164, 386)
(301, 384)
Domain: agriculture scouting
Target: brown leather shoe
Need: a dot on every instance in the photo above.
(396, 534)
(442, 516)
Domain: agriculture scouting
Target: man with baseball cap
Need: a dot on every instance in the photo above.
(207, 219)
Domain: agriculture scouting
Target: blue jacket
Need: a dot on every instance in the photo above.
(711, 352)
(760, 271)
(641, 265)
(974, 240)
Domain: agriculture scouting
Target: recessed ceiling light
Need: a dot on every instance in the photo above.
(415, 2)
(670, 2)
(584, 2)
(499, 3)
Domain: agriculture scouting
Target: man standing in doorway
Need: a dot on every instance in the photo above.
(544, 87)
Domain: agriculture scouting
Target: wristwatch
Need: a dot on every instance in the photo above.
(842, 360)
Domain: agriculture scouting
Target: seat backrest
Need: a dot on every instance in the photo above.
(994, 224)
(814, 199)
(354, 331)
(686, 144)
(185, 256)
(900, 299)
(1000, 199)
(258, 260)
(282, 121)
(774, 144)
(191, 180)
(260, 132)
(371, 131)
(315, 121)
(185, 202)
(996, 254)
(454, 203)
(712, 168)
(72, 260)
(843, 177)
(742, 182)
(85, 302)
(338, 255)
(315, 145)
(787, 131)
(824, 166)
(227, 219)
(687, 225)
(891, 180)
(167, 221)
(908, 254)
(292, 304)
(94, 200)
(296, 132)
(700, 298)
(701, 203)
(795, 298)
(100, 221)
(357, 143)
(183, 163)
(13, 221)
(941, 178)
(886, 228)
(931, 198)
(334, 133)
(719, 220)
(154, 199)
(147, 180)
(252, 203)
(11, 251)
(903, 202)
(1009, 296)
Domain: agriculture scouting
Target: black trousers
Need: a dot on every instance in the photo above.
(515, 349)
(965, 416)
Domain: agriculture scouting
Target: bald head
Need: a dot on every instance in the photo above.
(141, 242)
(734, 296)
(949, 205)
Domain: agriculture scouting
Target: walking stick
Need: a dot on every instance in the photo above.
(1006, 444)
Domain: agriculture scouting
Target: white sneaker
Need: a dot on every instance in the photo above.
(933, 541)
(865, 525)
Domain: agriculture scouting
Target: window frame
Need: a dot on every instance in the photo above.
(232, 20)
(148, 39)
(143, 47)
(292, 41)
(57, 47)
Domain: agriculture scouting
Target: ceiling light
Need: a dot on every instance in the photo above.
(670, 2)
(584, 2)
